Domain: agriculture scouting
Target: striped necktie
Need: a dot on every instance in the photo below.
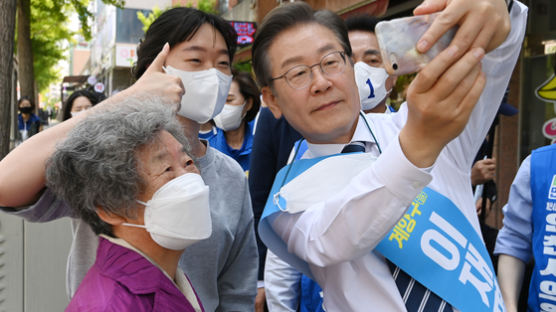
(417, 298)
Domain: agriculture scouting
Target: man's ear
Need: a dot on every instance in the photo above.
(110, 218)
(270, 99)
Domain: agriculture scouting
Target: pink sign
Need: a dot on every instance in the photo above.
(245, 32)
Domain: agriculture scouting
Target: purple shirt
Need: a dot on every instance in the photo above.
(123, 280)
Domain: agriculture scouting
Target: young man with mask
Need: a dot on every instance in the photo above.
(437, 130)
(373, 82)
(197, 49)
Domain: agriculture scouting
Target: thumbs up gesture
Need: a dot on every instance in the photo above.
(155, 82)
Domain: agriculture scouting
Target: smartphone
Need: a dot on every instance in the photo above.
(398, 38)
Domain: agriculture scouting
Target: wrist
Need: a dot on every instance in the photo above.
(421, 152)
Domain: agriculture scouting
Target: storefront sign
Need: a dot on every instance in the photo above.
(125, 55)
(245, 32)
(549, 46)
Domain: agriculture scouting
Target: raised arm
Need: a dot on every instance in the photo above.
(22, 171)
(497, 65)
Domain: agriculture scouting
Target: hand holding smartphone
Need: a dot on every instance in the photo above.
(397, 40)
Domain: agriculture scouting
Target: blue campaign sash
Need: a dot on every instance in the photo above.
(433, 242)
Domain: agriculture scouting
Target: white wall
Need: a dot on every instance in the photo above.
(33, 264)
(147, 4)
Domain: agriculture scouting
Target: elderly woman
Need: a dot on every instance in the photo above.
(126, 173)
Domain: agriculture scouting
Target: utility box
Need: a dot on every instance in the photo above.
(33, 259)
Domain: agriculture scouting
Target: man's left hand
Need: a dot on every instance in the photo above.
(482, 23)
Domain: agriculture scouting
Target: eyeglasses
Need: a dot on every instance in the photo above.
(300, 76)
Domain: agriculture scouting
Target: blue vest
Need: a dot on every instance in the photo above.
(542, 290)
(311, 296)
(242, 155)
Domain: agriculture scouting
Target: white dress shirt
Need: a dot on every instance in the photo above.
(337, 237)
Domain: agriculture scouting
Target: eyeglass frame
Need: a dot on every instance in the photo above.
(342, 55)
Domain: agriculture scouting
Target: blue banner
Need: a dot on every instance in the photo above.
(433, 242)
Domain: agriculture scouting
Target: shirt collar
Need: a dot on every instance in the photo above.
(361, 133)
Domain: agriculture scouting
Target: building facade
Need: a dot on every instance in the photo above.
(116, 35)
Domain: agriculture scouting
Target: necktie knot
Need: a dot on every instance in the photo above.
(355, 146)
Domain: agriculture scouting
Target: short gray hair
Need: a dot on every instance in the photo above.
(96, 165)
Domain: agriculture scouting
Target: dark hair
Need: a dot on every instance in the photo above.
(249, 90)
(178, 25)
(94, 98)
(284, 18)
(362, 22)
(26, 98)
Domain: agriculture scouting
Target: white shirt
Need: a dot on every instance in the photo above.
(336, 237)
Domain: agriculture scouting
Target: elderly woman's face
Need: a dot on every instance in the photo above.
(163, 160)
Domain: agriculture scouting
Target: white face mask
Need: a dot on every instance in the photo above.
(73, 114)
(371, 82)
(321, 181)
(205, 92)
(178, 214)
(230, 118)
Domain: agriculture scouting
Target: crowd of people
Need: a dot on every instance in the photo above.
(30, 123)
(199, 189)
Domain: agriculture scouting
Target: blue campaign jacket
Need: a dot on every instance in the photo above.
(543, 193)
(241, 155)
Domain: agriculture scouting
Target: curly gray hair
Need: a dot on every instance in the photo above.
(96, 165)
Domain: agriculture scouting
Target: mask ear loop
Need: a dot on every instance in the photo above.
(293, 161)
(276, 197)
(134, 225)
(142, 226)
(276, 200)
(371, 131)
